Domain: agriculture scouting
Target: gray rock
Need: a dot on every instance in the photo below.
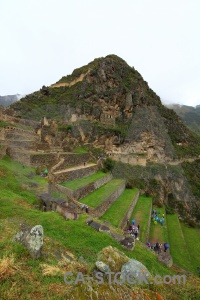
(128, 243)
(95, 225)
(166, 259)
(116, 236)
(135, 270)
(101, 266)
(31, 238)
(104, 228)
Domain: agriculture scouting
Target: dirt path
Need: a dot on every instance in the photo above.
(75, 168)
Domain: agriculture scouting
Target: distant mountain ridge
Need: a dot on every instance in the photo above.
(189, 114)
(9, 99)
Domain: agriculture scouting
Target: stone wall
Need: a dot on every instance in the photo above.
(102, 208)
(83, 191)
(129, 211)
(128, 159)
(74, 174)
(28, 145)
(41, 159)
(73, 159)
(2, 150)
(22, 157)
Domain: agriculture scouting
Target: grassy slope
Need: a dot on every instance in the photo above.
(118, 209)
(192, 238)
(141, 215)
(78, 183)
(96, 198)
(178, 247)
(158, 232)
(29, 282)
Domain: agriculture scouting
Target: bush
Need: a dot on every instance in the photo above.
(108, 165)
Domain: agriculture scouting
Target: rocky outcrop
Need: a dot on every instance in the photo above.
(135, 270)
(31, 238)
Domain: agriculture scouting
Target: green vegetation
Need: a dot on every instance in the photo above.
(178, 247)
(60, 236)
(80, 150)
(141, 215)
(97, 197)
(192, 239)
(78, 183)
(158, 232)
(119, 208)
(108, 165)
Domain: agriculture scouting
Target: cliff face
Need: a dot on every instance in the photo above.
(115, 110)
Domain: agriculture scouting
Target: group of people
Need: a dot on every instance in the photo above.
(157, 247)
(156, 218)
(132, 229)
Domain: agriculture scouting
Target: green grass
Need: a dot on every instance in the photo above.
(178, 246)
(158, 232)
(80, 150)
(141, 215)
(192, 238)
(74, 236)
(97, 197)
(119, 208)
(78, 183)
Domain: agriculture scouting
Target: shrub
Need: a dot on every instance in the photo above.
(108, 165)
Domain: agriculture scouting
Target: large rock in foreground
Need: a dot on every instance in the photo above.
(31, 238)
(113, 258)
(135, 270)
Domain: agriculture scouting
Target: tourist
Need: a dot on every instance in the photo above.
(45, 173)
(138, 227)
(83, 206)
(133, 222)
(86, 209)
(166, 246)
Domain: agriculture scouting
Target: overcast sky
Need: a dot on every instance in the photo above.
(43, 40)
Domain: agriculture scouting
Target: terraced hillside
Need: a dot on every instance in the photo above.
(158, 232)
(185, 244)
(120, 207)
(97, 197)
(142, 215)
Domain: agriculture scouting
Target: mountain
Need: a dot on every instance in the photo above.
(189, 114)
(108, 106)
(110, 96)
(9, 99)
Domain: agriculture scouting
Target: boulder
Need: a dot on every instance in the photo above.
(31, 238)
(135, 269)
(166, 259)
(128, 243)
(95, 225)
(101, 266)
(104, 228)
(113, 258)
